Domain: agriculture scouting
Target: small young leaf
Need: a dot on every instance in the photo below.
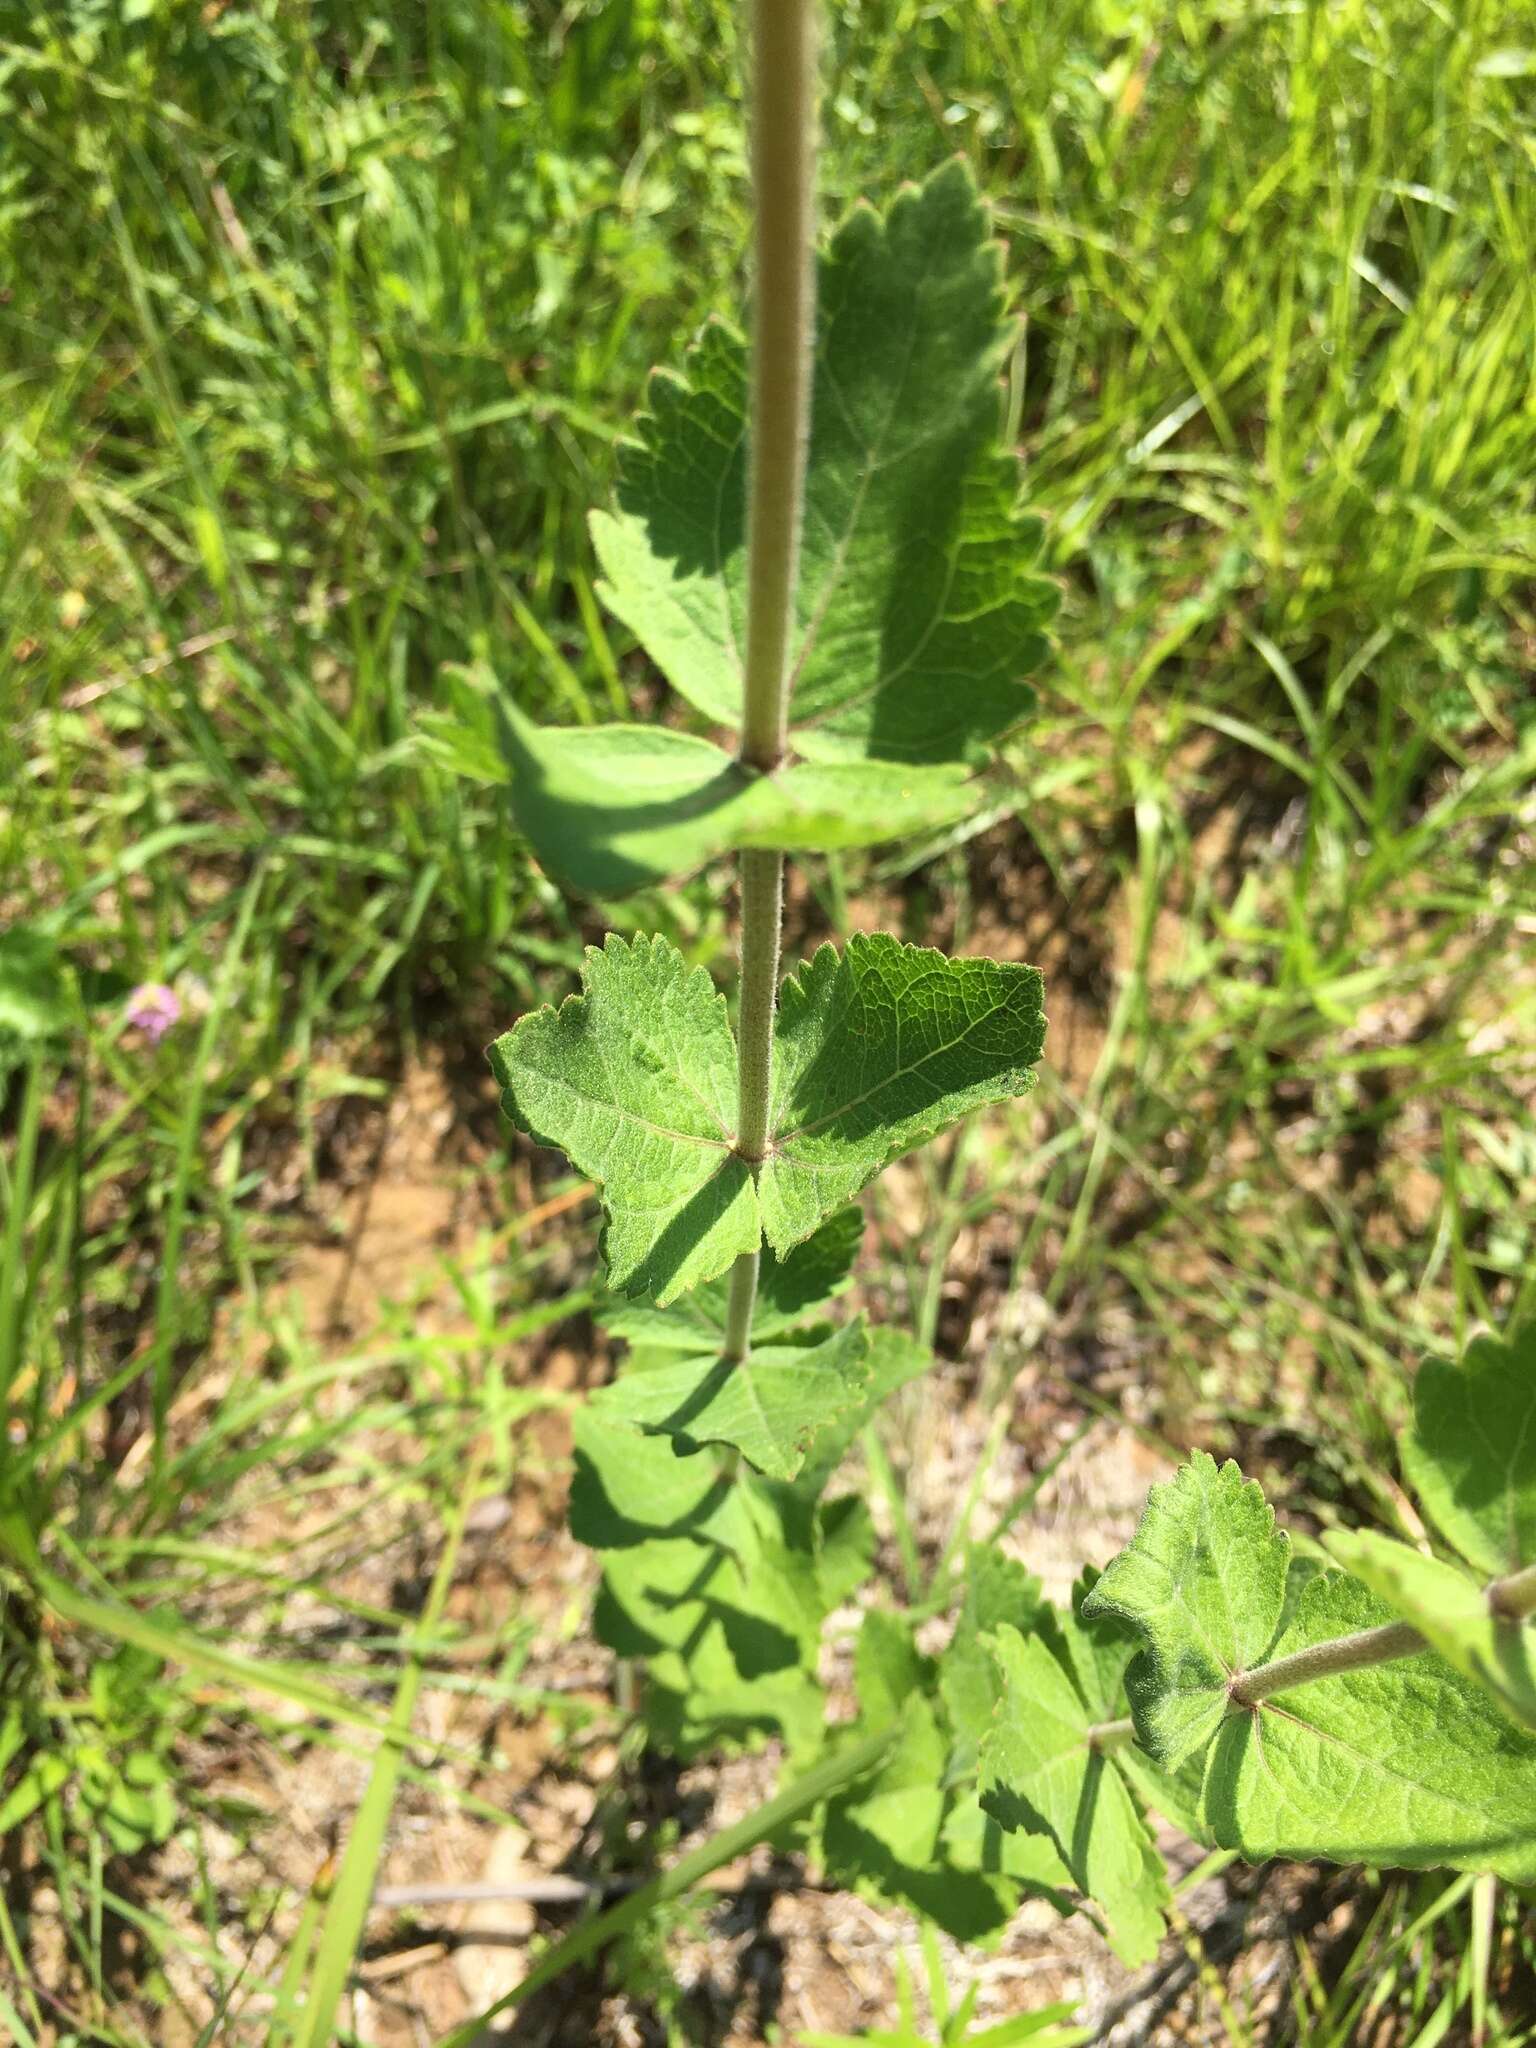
(877, 1049)
(1204, 1579)
(917, 612)
(1452, 1612)
(770, 1405)
(610, 808)
(1039, 1773)
(1405, 1764)
(635, 1080)
(807, 1278)
(1471, 1454)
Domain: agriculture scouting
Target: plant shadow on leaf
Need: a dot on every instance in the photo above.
(586, 797)
(599, 1522)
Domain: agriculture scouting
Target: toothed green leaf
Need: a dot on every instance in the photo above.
(876, 1050)
(1471, 1454)
(788, 1290)
(769, 1406)
(1406, 1765)
(635, 1081)
(1452, 1611)
(1039, 1774)
(610, 808)
(1204, 1580)
(917, 609)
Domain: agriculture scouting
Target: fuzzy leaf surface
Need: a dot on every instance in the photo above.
(1471, 1454)
(1039, 1773)
(770, 1406)
(917, 609)
(1406, 1765)
(611, 808)
(788, 1290)
(1452, 1612)
(635, 1081)
(1204, 1580)
(876, 1050)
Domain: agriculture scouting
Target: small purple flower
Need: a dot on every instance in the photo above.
(154, 1008)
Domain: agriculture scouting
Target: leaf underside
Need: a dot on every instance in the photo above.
(1451, 1610)
(876, 1050)
(1406, 1764)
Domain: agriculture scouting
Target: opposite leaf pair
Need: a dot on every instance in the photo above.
(876, 1049)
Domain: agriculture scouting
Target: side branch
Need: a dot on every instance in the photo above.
(1511, 1599)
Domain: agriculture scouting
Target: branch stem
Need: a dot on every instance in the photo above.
(1104, 1736)
(1322, 1660)
(783, 309)
(1509, 1599)
(1514, 1598)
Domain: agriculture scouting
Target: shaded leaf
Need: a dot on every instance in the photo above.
(878, 1049)
(610, 808)
(1406, 1764)
(769, 1405)
(1452, 1612)
(894, 1361)
(1204, 1580)
(809, 1276)
(1471, 1454)
(998, 1592)
(1039, 1773)
(917, 612)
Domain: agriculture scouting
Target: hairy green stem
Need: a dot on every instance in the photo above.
(1322, 1660)
(1104, 1736)
(783, 307)
(1509, 1599)
(1514, 1598)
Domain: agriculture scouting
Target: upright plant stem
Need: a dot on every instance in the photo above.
(783, 306)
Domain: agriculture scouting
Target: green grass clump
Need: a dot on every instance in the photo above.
(319, 328)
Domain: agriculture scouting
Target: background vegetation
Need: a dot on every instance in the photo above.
(319, 325)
